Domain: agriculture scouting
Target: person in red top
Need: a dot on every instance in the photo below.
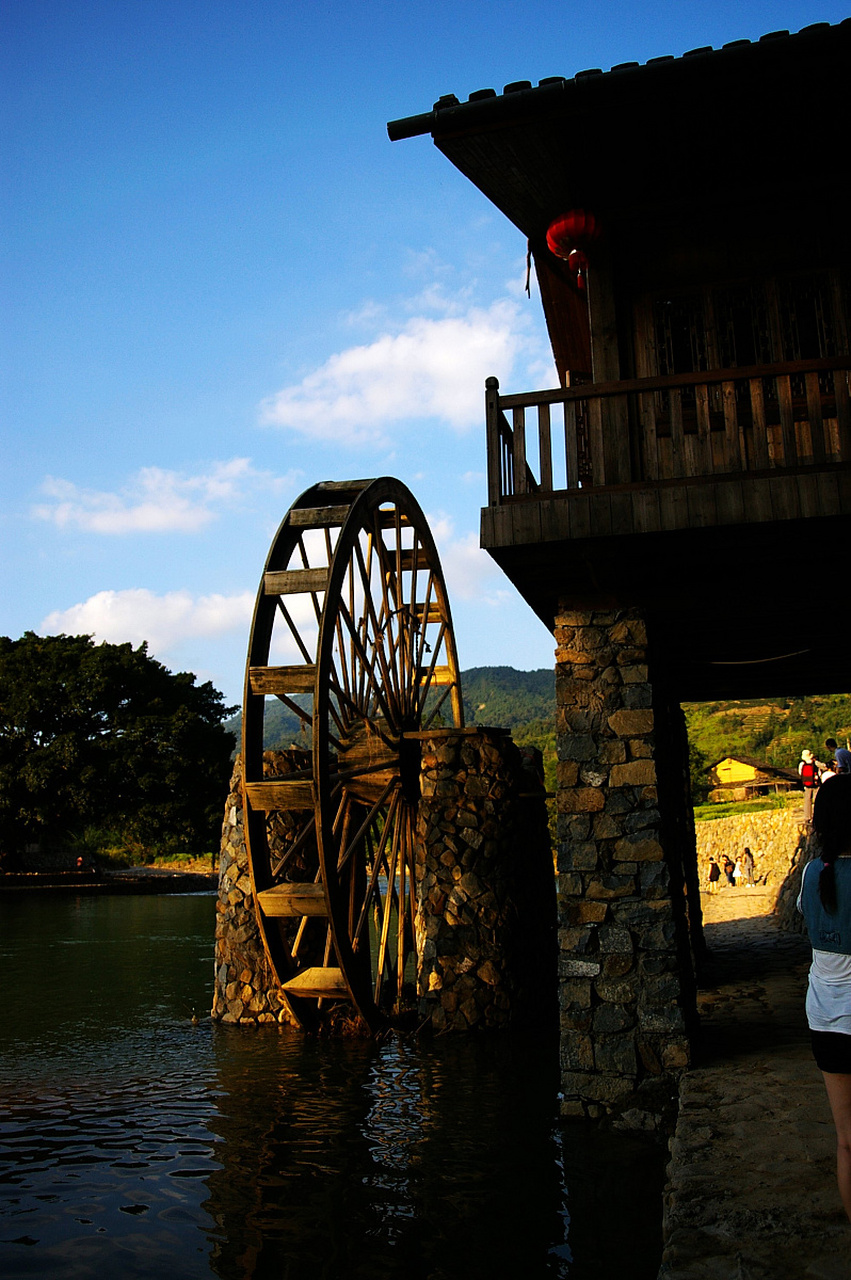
(809, 770)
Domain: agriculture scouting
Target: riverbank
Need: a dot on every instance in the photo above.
(751, 1190)
(134, 880)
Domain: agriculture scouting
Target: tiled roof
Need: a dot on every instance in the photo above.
(449, 111)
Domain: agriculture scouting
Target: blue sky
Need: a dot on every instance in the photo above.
(221, 283)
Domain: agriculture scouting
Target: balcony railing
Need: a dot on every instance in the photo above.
(652, 430)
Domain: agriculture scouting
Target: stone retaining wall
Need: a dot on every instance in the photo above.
(772, 835)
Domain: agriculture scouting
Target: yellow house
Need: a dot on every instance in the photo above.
(741, 777)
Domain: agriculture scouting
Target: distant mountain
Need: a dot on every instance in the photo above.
(495, 696)
(506, 698)
(524, 702)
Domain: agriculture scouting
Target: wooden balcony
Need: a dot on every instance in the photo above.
(717, 503)
(729, 446)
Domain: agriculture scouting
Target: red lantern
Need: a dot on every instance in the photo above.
(569, 236)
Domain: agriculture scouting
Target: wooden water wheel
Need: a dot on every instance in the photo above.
(353, 591)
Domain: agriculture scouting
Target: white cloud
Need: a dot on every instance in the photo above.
(430, 368)
(154, 500)
(167, 621)
(470, 573)
(163, 621)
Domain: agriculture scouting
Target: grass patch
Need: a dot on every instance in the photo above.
(200, 864)
(709, 812)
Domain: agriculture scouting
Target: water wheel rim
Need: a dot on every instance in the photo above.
(370, 692)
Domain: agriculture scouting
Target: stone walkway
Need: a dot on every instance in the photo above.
(751, 1191)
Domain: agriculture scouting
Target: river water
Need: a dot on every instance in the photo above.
(138, 1139)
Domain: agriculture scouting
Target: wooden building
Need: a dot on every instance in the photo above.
(743, 778)
(697, 303)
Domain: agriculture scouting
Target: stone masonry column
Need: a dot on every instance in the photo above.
(625, 980)
(244, 990)
(486, 917)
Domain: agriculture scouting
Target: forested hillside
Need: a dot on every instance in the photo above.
(497, 696)
(775, 732)
(524, 702)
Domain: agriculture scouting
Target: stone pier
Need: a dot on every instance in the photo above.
(486, 903)
(486, 919)
(626, 872)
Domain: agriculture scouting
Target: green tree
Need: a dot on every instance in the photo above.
(104, 735)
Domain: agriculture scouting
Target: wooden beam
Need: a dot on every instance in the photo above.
(315, 982)
(279, 793)
(293, 900)
(317, 517)
(278, 680)
(291, 582)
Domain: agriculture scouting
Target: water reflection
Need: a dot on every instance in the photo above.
(389, 1161)
(135, 1143)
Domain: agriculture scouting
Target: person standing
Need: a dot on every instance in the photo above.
(808, 772)
(825, 901)
(714, 875)
(747, 867)
(841, 755)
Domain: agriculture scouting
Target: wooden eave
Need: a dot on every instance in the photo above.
(712, 123)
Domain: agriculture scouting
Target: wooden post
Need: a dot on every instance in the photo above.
(493, 442)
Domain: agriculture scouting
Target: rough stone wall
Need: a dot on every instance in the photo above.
(486, 912)
(773, 837)
(244, 989)
(486, 895)
(624, 965)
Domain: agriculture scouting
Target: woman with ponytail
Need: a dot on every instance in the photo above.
(825, 901)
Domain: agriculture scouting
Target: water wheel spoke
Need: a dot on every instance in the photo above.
(361, 708)
(347, 849)
(376, 862)
(392, 588)
(387, 913)
(391, 685)
(389, 619)
(423, 613)
(295, 847)
(401, 915)
(358, 716)
(294, 631)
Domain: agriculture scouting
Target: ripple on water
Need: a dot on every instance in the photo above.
(133, 1143)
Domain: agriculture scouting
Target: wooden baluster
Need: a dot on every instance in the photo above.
(787, 420)
(571, 449)
(647, 415)
(704, 439)
(843, 413)
(521, 479)
(815, 416)
(545, 448)
(677, 443)
(494, 443)
(615, 420)
(507, 455)
(759, 430)
(595, 432)
(733, 455)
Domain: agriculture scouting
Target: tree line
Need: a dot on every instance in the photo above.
(101, 743)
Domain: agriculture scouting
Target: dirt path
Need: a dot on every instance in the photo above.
(751, 1191)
